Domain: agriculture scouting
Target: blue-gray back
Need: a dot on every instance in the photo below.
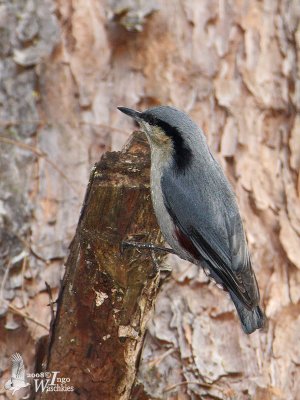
(203, 206)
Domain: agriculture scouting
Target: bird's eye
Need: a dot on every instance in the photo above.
(149, 118)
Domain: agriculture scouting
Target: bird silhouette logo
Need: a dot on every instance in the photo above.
(17, 380)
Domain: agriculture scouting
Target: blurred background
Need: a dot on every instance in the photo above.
(233, 65)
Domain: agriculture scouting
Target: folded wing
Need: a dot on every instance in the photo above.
(209, 217)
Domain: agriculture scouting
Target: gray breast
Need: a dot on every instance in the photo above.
(165, 222)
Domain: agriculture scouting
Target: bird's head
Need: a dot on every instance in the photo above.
(169, 131)
(8, 384)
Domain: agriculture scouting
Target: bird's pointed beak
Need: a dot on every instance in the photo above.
(132, 113)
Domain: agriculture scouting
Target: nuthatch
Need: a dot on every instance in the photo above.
(196, 208)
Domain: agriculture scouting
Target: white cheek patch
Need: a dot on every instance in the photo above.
(157, 140)
(146, 127)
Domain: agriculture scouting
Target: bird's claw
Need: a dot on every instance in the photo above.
(145, 246)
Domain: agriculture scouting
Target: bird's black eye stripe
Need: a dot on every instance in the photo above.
(183, 153)
(150, 119)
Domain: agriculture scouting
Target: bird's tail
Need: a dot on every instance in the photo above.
(250, 319)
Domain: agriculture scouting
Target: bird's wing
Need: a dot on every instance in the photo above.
(18, 370)
(211, 221)
(240, 259)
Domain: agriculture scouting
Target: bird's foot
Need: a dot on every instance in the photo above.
(146, 246)
(162, 269)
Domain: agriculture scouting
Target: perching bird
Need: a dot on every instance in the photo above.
(17, 380)
(196, 208)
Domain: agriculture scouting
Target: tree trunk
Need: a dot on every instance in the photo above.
(107, 294)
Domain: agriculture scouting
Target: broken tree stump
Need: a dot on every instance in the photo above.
(107, 295)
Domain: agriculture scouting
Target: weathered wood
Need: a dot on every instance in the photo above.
(107, 294)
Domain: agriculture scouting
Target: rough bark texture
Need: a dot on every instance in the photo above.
(107, 294)
(233, 65)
